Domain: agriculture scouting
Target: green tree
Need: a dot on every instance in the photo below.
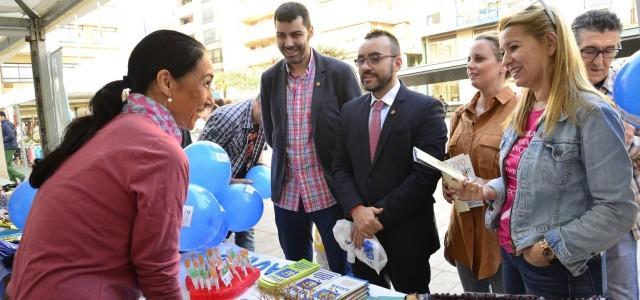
(243, 80)
(336, 53)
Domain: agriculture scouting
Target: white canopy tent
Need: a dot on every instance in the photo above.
(27, 22)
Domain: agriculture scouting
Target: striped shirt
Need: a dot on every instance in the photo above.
(303, 179)
(229, 127)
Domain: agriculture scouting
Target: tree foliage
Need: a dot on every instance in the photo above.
(245, 80)
(336, 53)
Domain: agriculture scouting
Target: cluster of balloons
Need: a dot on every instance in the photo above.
(214, 206)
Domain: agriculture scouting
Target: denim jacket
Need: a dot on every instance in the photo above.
(573, 188)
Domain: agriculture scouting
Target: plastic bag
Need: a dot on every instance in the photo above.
(371, 253)
(318, 247)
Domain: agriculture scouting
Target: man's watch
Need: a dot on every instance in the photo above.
(547, 251)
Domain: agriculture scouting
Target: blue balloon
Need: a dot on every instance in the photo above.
(626, 90)
(202, 218)
(260, 176)
(20, 204)
(222, 231)
(243, 205)
(209, 166)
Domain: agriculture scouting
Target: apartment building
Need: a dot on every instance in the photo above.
(449, 30)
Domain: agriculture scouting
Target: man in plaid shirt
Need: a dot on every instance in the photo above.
(598, 35)
(302, 96)
(237, 129)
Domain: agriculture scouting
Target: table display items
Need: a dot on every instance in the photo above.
(304, 281)
(484, 296)
(214, 276)
(287, 275)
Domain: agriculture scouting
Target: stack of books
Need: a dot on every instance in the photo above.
(323, 284)
(287, 275)
(305, 287)
(344, 287)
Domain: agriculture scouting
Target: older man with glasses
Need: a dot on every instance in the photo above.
(598, 35)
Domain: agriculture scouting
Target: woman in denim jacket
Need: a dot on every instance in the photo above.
(565, 190)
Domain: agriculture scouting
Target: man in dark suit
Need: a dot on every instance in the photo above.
(301, 100)
(377, 183)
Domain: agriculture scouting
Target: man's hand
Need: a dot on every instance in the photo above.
(629, 131)
(241, 180)
(366, 223)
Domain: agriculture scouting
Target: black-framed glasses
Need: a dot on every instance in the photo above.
(593, 52)
(373, 59)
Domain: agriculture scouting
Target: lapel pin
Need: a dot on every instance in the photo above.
(318, 83)
(393, 112)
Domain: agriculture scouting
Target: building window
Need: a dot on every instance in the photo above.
(23, 73)
(208, 15)
(414, 60)
(441, 49)
(216, 55)
(74, 34)
(186, 20)
(17, 73)
(449, 91)
(433, 19)
(478, 12)
(481, 30)
(211, 36)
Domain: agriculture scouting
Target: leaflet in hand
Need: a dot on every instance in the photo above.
(451, 176)
(462, 163)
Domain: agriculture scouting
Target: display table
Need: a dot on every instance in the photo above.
(268, 264)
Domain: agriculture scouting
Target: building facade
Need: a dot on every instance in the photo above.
(449, 30)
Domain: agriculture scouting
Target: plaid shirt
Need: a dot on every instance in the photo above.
(634, 147)
(303, 177)
(229, 127)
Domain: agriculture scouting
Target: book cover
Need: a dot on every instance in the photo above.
(288, 274)
(307, 285)
(341, 288)
(462, 163)
(450, 175)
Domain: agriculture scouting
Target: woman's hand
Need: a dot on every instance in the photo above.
(447, 193)
(469, 190)
(533, 255)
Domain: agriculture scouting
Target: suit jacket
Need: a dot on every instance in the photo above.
(335, 84)
(404, 189)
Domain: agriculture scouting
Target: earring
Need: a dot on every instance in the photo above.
(169, 100)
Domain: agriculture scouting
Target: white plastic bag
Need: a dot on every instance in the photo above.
(371, 253)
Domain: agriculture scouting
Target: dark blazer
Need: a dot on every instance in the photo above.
(404, 189)
(335, 83)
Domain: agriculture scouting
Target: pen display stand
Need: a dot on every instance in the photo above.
(237, 287)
